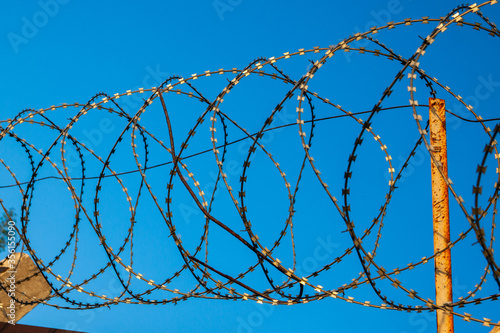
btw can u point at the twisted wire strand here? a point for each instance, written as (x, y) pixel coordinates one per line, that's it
(267, 279)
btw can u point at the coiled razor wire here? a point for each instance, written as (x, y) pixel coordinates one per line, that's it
(284, 283)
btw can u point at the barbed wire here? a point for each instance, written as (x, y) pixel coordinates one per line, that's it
(283, 284)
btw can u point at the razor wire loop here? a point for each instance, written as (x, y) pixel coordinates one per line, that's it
(206, 275)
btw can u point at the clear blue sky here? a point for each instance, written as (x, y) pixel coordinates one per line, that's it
(66, 51)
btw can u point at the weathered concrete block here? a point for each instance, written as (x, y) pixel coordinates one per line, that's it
(21, 279)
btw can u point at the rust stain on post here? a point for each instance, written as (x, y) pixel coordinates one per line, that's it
(440, 213)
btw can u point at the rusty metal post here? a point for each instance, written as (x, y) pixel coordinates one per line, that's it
(440, 213)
